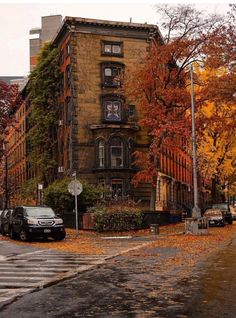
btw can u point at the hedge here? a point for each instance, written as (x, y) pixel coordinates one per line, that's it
(117, 220)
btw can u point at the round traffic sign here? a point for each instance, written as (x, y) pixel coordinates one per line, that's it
(75, 187)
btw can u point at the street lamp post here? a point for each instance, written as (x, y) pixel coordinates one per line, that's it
(196, 212)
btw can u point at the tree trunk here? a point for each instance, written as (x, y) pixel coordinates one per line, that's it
(213, 189)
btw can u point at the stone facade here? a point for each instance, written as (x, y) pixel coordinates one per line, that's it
(86, 140)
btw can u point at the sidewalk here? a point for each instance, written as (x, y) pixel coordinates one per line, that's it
(91, 242)
(107, 244)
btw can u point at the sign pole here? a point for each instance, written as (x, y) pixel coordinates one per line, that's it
(76, 209)
(75, 188)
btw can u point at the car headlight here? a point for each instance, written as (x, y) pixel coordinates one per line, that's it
(58, 221)
(32, 221)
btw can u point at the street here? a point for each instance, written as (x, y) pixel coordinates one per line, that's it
(24, 268)
(216, 289)
(146, 282)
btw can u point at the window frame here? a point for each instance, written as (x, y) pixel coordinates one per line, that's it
(115, 157)
(117, 69)
(101, 159)
(112, 98)
(112, 43)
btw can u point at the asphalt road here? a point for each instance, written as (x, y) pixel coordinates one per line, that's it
(216, 290)
(138, 285)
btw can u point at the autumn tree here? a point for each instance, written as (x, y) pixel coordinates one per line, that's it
(162, 85)
(217, 144)
(9, 99)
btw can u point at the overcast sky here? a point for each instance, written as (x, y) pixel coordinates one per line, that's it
(16, 19)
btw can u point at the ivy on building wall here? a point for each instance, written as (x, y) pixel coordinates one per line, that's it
(44, 86)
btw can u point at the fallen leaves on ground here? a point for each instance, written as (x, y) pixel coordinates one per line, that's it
(190, 247)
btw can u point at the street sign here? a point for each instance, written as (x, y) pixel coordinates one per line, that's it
(75, 187)
(40, 186)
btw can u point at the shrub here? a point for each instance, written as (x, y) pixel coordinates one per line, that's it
(57, 196)
(117, 218)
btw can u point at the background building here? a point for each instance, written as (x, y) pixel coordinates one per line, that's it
(49, 27)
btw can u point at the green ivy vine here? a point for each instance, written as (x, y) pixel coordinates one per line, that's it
(43, 89)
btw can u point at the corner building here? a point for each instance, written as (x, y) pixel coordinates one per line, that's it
(98, 122)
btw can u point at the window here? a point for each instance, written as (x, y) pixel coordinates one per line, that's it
(101, 152)
(112, 74)
(116, 152)
(68, 49)
(67, 75)
(68, 110)
(112, 110)
(112, 48)
(117, 188)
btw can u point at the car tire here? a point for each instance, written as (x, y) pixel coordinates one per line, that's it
(12, 234)
(230, 221)
(23, 236)
(59, 237)
(3, 232)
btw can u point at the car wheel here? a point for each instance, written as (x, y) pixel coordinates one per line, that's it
(3, 232)
(230, 221)
(59, 237)
(13, 235)
(23, 236)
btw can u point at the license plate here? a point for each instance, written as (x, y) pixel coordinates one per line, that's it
(212, 222)
(47, 231)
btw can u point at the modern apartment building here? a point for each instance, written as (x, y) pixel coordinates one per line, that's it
(98, 123)
(49, 27)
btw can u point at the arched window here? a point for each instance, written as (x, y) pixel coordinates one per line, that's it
(101, 153)
(117, 152)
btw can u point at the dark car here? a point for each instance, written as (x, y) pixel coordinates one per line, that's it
(225, 209)
(214, 217)
(233, 212)
(36, 221)
(5, 221)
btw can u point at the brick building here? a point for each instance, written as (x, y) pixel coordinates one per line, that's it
(98, 120)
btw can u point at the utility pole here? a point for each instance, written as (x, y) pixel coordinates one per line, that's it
(76, 207)
(196, 212)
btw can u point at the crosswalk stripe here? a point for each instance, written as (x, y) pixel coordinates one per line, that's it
(22, 273)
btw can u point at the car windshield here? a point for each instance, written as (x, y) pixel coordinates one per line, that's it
(39, 212)
(220, 206)
(213, 213)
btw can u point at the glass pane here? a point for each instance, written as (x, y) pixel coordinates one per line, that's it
(107, 48)
(116, 151)
(113, 110)
(116, 49)
(101, 153)
(108, 72)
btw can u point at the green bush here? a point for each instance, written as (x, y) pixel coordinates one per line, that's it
(117, 219)
(56, 195)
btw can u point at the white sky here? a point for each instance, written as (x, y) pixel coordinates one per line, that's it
(17, 18)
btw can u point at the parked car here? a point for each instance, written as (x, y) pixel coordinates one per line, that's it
(225, 209)
(5, 221)
(214, 217)
(36, 221)
(1, 212)
(233, 212)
